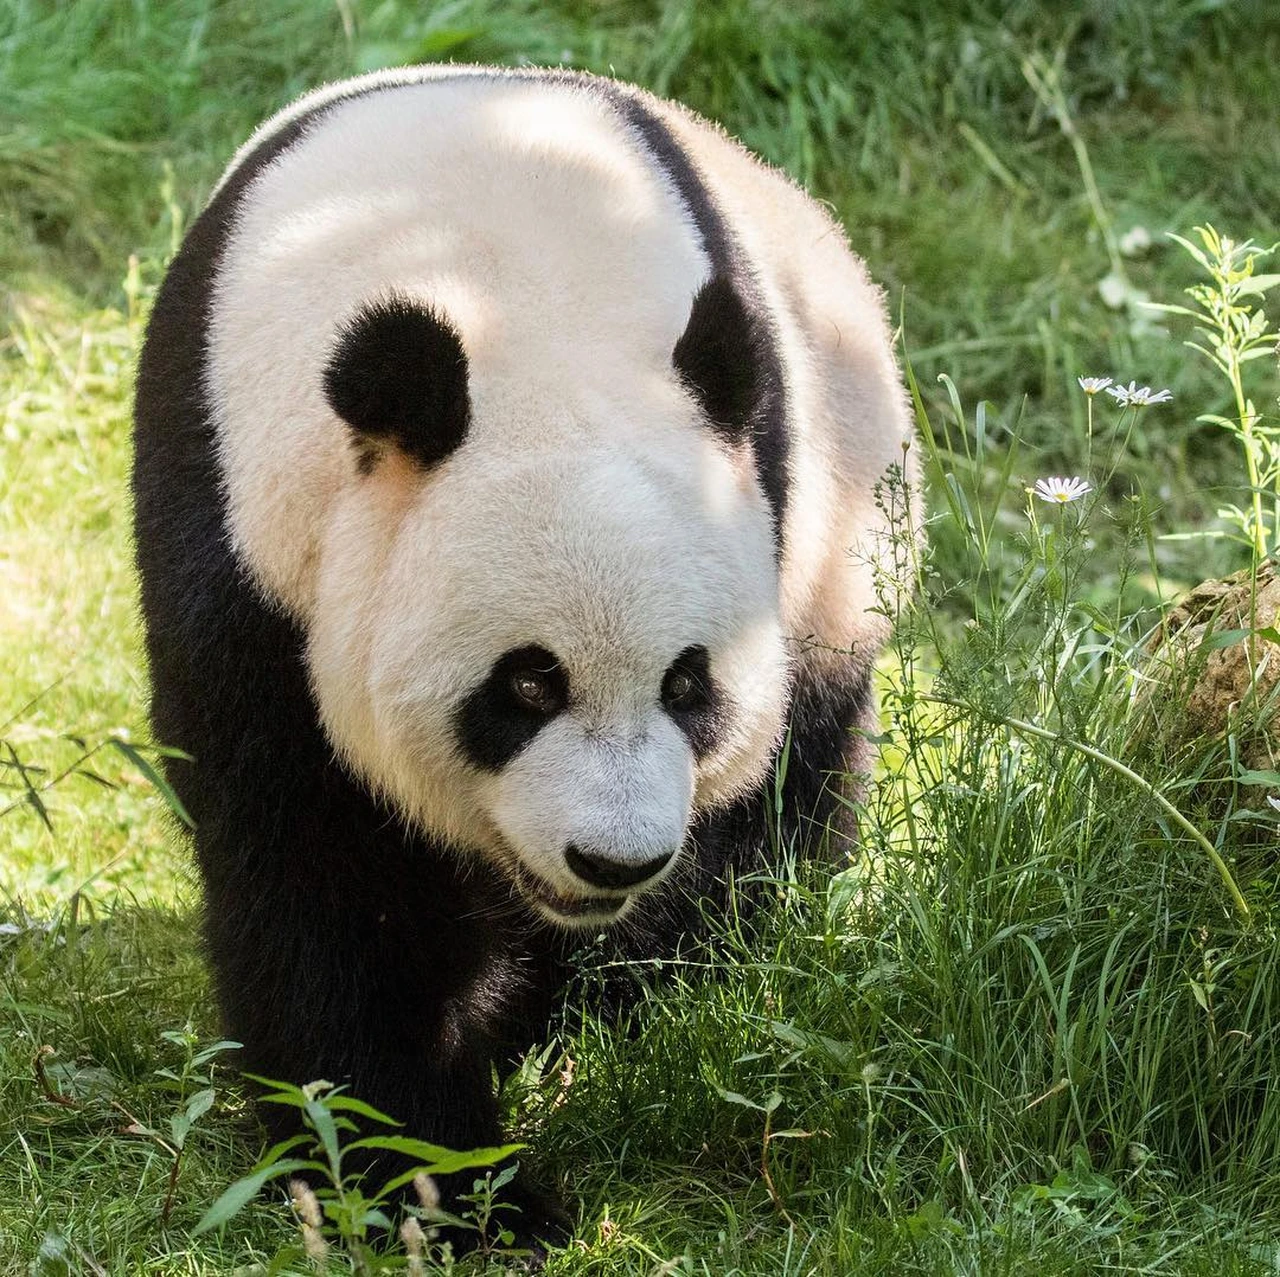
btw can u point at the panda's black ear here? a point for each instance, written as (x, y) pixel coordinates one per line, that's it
(398, 375)
(720, 357)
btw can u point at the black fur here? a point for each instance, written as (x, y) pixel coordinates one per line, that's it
(719, 358)
(398, 374)
(701, 718)
(344, 945)
(492, 724)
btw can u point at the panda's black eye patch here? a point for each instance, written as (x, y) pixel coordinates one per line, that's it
(691, 697)
(525, 689)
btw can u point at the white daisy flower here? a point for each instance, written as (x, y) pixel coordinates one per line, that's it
(1091, 385)
(1060, 491)
(1138, 396)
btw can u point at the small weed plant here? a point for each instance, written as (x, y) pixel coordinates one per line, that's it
(346, 1221)
(1232, 331)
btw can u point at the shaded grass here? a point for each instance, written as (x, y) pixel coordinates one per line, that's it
(906, 1034)
(93, 1170)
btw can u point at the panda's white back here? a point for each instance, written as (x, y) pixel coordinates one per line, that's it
(524, 205)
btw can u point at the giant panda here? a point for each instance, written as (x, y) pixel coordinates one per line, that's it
(509, 485)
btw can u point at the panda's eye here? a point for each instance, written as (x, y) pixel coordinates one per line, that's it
(697, 705)
(523, 691)
(538, 690)
(686, 685)
(677, 689)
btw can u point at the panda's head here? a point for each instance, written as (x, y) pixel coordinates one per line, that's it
(543, 622)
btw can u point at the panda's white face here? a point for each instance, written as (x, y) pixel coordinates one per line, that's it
(555, 660)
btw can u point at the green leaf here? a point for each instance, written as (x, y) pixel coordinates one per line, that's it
(30, 793)
(404, 1144)
(325, 1127)
(1223, 638)
(421, 1149)
(451, 1163)
(162, 785)
(243, 1191)
(1196, 253)
(53, 1259)
(349, 1104)
(199, 1104)
(1268, 778)
(1168, 309)
(1257, 285)
(277, 1151)
(736, 1097)
(203, 1057)
(284, 1093)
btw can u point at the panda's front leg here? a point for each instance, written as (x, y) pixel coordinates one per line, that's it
(351, 952)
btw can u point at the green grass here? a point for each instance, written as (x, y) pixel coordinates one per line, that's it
(1026, 1031)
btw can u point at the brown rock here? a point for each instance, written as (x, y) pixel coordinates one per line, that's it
(1207, 682)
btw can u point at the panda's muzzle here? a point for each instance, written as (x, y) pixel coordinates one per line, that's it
(613, 875)
(567, 909)
(622, 880)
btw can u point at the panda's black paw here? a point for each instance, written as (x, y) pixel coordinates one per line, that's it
(522, 1225)
(537, 1221)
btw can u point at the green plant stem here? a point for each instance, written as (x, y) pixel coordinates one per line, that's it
(1114, 764)
(1246, 419)
(1088, 443)
(1045, 79)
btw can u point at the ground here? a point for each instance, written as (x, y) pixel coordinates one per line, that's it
(1029, 1025)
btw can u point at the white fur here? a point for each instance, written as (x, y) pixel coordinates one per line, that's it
(588, 510)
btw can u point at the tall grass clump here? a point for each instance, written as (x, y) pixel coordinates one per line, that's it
(1034, 1014)
(1099, 931)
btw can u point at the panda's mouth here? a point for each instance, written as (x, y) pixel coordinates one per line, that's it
(568, 910)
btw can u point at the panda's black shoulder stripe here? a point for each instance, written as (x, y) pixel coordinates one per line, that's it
(768, 423)
(717, 241)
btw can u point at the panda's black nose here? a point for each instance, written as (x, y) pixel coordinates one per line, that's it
(600, 871)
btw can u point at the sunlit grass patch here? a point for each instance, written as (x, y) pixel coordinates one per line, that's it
(68, 635)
